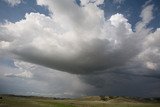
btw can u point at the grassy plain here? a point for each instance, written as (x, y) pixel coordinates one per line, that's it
(13, 101)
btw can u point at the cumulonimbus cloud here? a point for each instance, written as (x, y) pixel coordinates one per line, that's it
(78, 39)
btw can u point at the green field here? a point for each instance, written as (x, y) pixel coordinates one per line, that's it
(13, 101)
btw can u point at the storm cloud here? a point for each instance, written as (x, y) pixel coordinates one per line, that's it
(78, 39)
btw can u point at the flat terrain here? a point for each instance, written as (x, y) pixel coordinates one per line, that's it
(17, 101)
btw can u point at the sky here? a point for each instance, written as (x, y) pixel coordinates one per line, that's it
(74, 48)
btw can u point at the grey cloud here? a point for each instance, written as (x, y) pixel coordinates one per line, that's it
(122, 84)
(112, 58)
(4, 35)
(45, 82)
(93, 57)
(93, 46)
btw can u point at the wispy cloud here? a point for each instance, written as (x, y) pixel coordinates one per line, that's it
(25, 74)
(13, 2)
(118, 1)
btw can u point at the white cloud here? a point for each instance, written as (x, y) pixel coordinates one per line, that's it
(24, 65)
(13, 2)
(97, 2)
(151, 50)
(4, 44)
(118, 1)
(77, 40)
(25, 74)
(152, 66)
(24, 69)
(118, 20)
(147, 16)
(80, 40)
